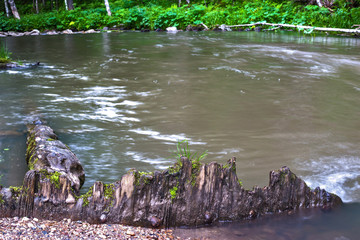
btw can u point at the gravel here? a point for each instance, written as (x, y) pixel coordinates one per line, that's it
(33, 228)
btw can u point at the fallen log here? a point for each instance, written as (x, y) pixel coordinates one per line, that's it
(186, 194)
(299, 27)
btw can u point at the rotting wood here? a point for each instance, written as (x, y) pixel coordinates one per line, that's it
(186, 194)
(345, 30)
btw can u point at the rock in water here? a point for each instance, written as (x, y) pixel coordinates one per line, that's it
(171, 29)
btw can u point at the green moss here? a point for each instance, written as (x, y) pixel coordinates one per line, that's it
(53, 177)
(232, 166)
(109, 191)
(5, 60)
(195, 171)
(31, 164)
(50, 139)
(138, 176)
(31, 152)
(225, 166)
(85, 197)
(1, 199)
(16, 191)
(293, 176)
(173, 192)
(176, 168)
(240, 182)
(146, 178)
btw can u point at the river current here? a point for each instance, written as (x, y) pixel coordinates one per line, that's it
(123, 100)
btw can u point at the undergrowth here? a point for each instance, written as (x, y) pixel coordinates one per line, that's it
(161, 14)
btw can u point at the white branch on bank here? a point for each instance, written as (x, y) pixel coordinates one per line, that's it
(345, 30)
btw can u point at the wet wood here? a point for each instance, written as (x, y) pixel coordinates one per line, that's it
(186, 194)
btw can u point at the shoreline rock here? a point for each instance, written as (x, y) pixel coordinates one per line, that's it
(11, 65)
(186, 194)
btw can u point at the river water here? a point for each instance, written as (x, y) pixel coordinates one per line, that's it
(123, 100)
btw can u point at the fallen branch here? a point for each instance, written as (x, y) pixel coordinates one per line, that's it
(206, 28)
(272, 29)
(295, 26)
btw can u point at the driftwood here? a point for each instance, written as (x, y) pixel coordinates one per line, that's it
(189, 193)
(344, 30)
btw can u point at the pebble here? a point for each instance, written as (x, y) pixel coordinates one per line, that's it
(33, 228)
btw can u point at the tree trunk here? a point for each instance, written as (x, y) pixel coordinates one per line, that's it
(37, 6)
(179, 3)
(319, 3)
(7, 8)
(66, 5)
(70, 5)
(14, 9)
(107, 7)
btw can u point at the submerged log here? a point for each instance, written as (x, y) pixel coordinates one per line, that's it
(186, 194)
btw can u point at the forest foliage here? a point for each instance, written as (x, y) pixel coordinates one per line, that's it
(141, 14)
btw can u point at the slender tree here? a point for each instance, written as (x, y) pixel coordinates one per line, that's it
(107, 7)
(14, 9)
(70, 4)
(37, 6)
(7, 8)
(66, 4)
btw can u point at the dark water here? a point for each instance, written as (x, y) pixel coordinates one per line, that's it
(309, 224)
(123, 100)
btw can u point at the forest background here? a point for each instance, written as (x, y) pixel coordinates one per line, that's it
(77, 15)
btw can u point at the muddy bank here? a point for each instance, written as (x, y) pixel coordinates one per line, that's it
(187, 194)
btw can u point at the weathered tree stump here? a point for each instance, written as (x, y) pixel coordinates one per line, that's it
(186, 194)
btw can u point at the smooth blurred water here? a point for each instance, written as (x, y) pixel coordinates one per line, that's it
(123, 100)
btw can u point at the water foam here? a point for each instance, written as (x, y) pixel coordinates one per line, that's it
(339, 175)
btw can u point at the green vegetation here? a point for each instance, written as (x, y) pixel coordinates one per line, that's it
(4, 57)
(109, 190)
(91, 14)
(53, 177)
(32, 162)
(138, 176)
(183, 150)
(173, 192)
(85, 196)
(16, 191)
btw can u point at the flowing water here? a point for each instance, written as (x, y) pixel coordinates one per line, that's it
(123, 100)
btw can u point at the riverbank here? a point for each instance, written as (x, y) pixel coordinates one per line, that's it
(33, 228)
(131, 16)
